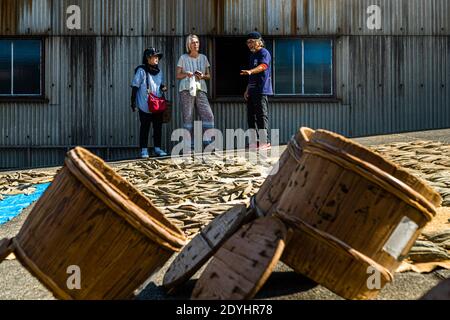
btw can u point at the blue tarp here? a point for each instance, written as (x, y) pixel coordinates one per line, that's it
(11, 206)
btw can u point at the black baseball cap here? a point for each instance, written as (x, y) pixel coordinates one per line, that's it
(254, 35)
(150, 52)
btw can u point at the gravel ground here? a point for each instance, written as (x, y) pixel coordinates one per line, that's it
(18, 284)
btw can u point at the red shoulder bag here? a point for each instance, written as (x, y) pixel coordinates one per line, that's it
(155, 104)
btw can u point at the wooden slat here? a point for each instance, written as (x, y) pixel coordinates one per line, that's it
(197, 252)
(243, 264)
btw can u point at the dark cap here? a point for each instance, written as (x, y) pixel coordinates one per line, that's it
(254, 35)
(150, 52)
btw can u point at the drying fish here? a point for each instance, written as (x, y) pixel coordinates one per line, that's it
(438, 237)
(427, 251)
(192, 191)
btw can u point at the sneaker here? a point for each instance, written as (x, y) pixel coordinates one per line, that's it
(265, 146)
(160, 153)
(144, 153)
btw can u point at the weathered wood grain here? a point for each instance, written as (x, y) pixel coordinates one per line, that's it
(197, 252)
(243, 264)
(92, 219)
(352, 194)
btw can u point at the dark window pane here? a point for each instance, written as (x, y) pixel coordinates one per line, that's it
(318, 66)
(5, 67)
(27, 67)
(288, 67)
(268, 44)
(232, 56)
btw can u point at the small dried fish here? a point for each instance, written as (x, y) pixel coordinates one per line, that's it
(427, 251)
(427, 160)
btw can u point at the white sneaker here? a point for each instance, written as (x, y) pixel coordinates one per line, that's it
(144, 153)
(160, 153)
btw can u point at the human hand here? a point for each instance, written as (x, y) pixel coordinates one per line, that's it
(198, 75)
(164, 88)
(246, 72)
(246, 96)
(189, 74)
(133, 107)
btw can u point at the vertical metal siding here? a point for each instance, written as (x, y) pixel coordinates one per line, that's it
(281, 17)
(90, 17)
(322, 16)
(400, 83)
(200, 16)
(286, 117)
(242, 16)
(179, 17)
(34, 17)
(379, 80)
(379, 74)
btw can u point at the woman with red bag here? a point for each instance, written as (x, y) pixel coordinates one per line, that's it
(148, 82)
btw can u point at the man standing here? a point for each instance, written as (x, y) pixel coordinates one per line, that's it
(259, 87)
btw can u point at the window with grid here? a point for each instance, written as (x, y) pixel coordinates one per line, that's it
(20, 68)
(300, 67)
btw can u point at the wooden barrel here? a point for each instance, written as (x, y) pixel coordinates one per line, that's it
(266, 200)
(197, 252)
(343, 200)
(92, 235)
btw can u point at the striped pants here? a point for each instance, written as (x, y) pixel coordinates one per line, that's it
(204, 111)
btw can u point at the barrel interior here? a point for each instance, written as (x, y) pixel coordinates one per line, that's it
(106, 173)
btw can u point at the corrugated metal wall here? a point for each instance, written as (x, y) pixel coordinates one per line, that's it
(391, 80)
(206, 17)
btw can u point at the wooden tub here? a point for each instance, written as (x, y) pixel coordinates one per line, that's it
(92, 235)
(355, 215)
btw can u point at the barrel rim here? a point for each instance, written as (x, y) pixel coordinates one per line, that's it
(430, 195)
(426, 199)
(377, 176)
(95, 181)
(327, 239)
(41, 276)
(324, 242)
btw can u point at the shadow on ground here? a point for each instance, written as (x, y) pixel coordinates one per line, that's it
(278, 285)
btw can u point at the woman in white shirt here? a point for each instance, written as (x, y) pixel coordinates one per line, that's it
(193, 70)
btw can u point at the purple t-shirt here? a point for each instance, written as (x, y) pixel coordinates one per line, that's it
(261, 83)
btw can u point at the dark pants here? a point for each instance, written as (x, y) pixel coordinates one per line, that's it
(146, 120)
(258, 114)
